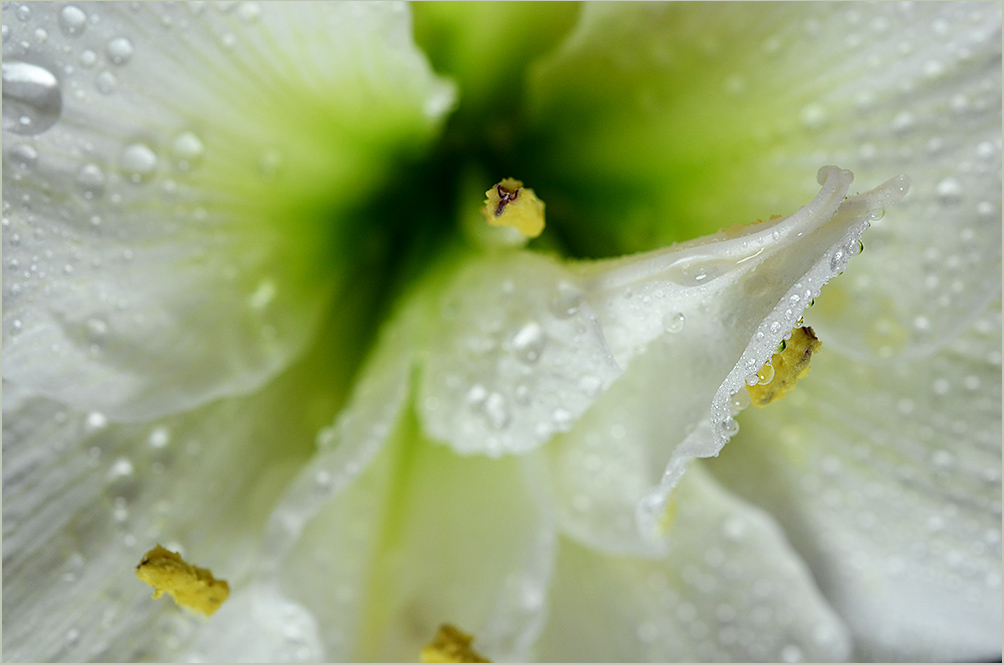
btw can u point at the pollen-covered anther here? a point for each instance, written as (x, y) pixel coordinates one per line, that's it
(191, 587)
(509, 203)
(451, 645)
(788, 366)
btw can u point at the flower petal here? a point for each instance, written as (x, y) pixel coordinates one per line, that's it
(384, 537)
(887, 477)
(729, 589)
(84, 497)
(523, 344)
(174, 180)
(675, 117)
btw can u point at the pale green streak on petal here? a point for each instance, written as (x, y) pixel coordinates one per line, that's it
(180, 233)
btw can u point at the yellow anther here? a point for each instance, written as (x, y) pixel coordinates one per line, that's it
(790, 365)
(451, 645)
(509, 203)
(193, 588)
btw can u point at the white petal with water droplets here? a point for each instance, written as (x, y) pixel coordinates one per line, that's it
(708, 110)
(524, 345)
(173, 179)
(729, 589)
(381, 538)
(84, 497)
(887, 478)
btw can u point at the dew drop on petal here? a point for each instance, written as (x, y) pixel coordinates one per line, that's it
(72, 20)
(106, 82)
(529, 342)
(91, 181)
(949, 191)
(188, 150)
(673, 323)
(496, 411)
(139, 162)
(32, 98)
(119, 50)
(24, 156)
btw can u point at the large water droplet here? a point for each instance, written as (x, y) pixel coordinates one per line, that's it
(72, 20)
(32, 98)
(139, 162)
(119, 50)
(528, 343)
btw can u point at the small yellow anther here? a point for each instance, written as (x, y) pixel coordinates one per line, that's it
(790, 365)
(451, 645)
(509, 203)
(193, 588)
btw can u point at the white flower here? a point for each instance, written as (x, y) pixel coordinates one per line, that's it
(248, 313)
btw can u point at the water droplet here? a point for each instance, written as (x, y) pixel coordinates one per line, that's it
(949, 191)
(23, 156)
(903, 122)
(673, 323)
(88, 58)
(139, 162)
(740, 400)
(106, 82)
(566, 302)
(730, 426)
(96, 420)
(119, 50)
(476, 396)
(32, 98)
(72, 636)
(159, 438)
(72, 20)
(24, 12)
(528, 343)
(838, 262)
(249, 12)
(188, 150)
(562, 419)
(121, 468)
(91, 181)
(497, 411)
(590, 385)
(813, 116)
(791, 654)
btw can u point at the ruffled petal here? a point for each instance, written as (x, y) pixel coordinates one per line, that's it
(690, 325)
(729, 589)
(522, 344)
(175, 181)
(673, 118)
(887, 477)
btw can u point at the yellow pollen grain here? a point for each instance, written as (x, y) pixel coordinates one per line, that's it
(191, 587)
(509, 203)
(451, 645)
(790, 365)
